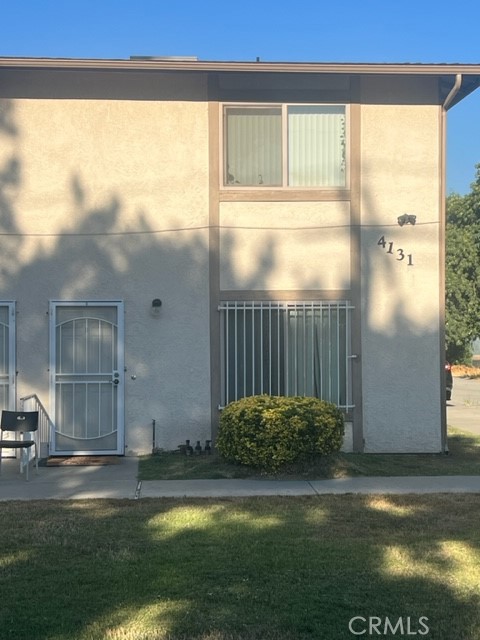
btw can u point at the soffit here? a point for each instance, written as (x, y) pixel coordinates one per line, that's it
(445, 72)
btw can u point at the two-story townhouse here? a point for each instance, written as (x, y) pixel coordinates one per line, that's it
(176, 234)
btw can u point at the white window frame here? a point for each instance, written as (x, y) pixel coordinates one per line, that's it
(284, 115)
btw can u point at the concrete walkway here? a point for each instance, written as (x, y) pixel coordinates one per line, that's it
(120, 481)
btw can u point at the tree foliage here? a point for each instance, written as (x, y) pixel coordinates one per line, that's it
(463, 272)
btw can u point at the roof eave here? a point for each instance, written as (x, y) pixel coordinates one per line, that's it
(159, 64)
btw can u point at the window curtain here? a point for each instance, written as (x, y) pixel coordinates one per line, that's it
(316, 146)
(254, 146)
(317, 352)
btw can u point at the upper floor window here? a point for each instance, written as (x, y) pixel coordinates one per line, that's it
(285, 146)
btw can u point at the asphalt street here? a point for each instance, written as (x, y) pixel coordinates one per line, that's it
(463, 410)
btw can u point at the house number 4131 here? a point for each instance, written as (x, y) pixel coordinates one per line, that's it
(399, 253)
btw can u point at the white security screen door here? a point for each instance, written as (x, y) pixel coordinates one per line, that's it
(7, 361)
(87, 372)
(7, 355)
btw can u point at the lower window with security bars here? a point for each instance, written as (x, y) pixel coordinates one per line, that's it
(286, 349)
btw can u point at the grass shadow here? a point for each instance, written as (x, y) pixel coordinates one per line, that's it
(244, 569)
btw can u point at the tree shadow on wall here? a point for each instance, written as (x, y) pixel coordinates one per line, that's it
(98, 247)
(211, 575)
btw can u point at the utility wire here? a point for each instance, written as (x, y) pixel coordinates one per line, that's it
(202, 228)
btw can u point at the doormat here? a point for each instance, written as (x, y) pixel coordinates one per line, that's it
(82, 461)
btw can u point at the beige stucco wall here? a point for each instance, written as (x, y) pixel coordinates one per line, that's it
(401, 173)
(109, 200)
(284, 245)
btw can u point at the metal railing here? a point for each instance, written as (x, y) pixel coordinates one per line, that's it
(45, 424)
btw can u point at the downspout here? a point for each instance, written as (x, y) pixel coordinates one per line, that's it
(448, 101)
(453, 91)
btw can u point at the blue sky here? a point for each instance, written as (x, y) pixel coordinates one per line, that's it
(305, 30)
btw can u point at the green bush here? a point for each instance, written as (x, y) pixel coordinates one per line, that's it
(269, 432)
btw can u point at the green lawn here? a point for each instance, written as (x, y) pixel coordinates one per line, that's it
(463, 459)
(249, 569)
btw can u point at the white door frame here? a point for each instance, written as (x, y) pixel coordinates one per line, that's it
(10, 378)
(118, 379)
(12, 342)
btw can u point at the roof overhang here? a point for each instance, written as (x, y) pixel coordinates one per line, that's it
(445, 72)
(191, 64)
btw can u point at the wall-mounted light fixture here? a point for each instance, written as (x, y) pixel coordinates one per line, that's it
(407, 218)
(156, 304)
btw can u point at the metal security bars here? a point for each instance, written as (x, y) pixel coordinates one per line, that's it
(286, 349)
